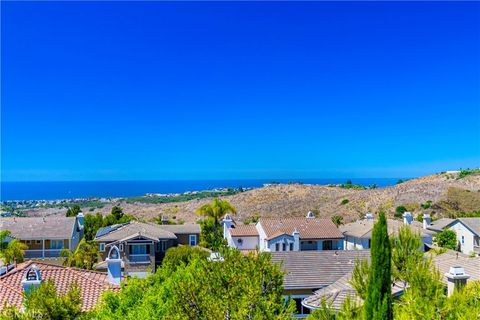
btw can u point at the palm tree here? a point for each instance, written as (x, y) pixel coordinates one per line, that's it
(216, 210)
(85, 255)
(338, 220)
(9, 251)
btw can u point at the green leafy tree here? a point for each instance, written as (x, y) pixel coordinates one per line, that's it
(446, 239)
(44, 302)
(85, 256)
(337, 220)
(378, 304)
(73, 211)
(324, 312)
(215, 211)
(117, 212)
(208, 238)
(406, 254)
(359, 280)
(399, 211)
(13, 250)
(181, 256)
(97, 221)
(239, 287)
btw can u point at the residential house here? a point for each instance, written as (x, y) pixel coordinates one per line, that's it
(358, 234)
(284, 234)
(468, 234)
(31, 274)
(142, 246)
(45, 236)
(309, 271)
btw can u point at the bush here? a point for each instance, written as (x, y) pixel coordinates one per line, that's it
(399, 211)
(344, 202)
(446, 239)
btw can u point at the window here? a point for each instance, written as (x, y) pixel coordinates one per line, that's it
(120, 247)
(240, 241)
(277, 246)
(192, 239)
(27, 241)
(463, 240)
(284, 246)
(38, 241)
(139, 249)
(162, 246)
(291, 246)
(56, 244)
(300, 308)
(102, 247)
(327, 245)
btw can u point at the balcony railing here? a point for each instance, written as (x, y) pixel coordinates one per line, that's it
(47, 253)
(139, 258)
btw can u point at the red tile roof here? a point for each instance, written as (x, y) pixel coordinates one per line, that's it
(92, 284)
(244, 230)
(309, 228)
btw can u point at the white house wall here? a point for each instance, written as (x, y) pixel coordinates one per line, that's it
(461, 230)
(247, 243)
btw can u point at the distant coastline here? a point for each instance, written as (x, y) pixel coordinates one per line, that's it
(58, 190)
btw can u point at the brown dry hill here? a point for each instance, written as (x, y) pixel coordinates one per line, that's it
(447, 193)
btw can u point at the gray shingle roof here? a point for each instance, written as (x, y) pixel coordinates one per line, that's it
(472, 223)
(451, 258)
(189, 228)
(363, 228)
(134, 228)
(52, 227)
(316, 269)
(440, 224)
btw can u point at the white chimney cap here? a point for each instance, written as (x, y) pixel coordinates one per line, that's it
(457, 273)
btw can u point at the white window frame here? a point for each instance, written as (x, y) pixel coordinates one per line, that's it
(163, 245)
(102, 247)
(38, 241)
(120, 247)
(190, 237)
(27, 241)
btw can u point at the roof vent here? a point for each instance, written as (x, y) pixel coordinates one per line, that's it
(310, 214)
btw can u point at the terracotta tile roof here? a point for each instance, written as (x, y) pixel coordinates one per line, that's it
(54, 227)
(309, 228)
(316, 269)
(244, 230)
(92, 284)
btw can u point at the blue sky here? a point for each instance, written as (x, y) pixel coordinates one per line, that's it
(155, 90)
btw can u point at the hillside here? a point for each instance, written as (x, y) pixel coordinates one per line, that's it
(447, 193)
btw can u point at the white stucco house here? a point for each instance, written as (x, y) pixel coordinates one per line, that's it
(468, 234)
(284, 234)
(358, 234)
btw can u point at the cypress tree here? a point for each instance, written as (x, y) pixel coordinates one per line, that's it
(378, 305)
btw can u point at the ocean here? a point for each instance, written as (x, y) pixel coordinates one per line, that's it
(55, 190)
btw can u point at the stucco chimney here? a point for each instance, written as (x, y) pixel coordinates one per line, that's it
(427, 220)
(114, 266)
(407, 218)
(31, 279)
(228, 223)
(456, 278)
(296, 240)
(310, 214)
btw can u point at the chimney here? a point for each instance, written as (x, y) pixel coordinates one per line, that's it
(407, 218)
(427, 220)
(310, 214)
(31, 279)
(369, 216)
(228, 223)
(114, 266)
(456, 279)
(81, 220)
(296, 240)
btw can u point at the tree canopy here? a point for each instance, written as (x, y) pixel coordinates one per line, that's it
(446, 239)
(85, 255)
(239, 287)
(214, 211)
(11, 250)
